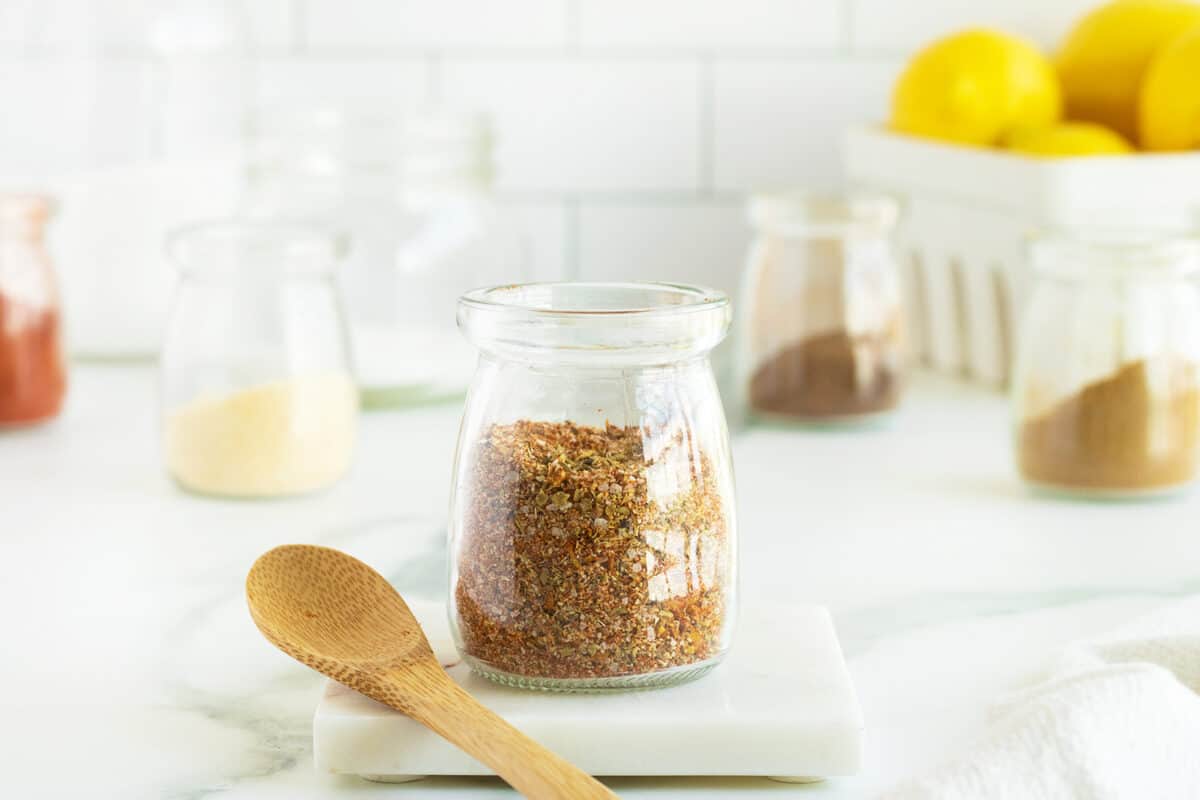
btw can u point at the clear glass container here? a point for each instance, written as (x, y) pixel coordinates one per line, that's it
(592, 528)
(1106, 396)
(131, 116)
(258, 396)
(413, 191)
(820, 332)
(33, 375)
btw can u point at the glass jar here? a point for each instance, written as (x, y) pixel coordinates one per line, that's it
(820, 332)
(413, 191)
(258, 395)
(1106, 395)
(592, 529)
(33, 376)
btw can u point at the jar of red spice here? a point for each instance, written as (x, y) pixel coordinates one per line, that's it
(32, 371)
(592, 532)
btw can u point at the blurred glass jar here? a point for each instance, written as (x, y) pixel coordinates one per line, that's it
(820, 334)
(1106, 395)
(258, 395)
(131, 116)
(414, 194)
(33, 375)
(592, 526)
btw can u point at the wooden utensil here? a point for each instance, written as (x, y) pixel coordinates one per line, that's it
(337, 615)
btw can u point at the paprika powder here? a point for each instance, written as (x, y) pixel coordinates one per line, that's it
(32, 371)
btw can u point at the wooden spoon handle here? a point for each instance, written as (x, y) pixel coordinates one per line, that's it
(527, 766)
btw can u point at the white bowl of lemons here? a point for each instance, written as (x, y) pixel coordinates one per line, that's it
(990, 140)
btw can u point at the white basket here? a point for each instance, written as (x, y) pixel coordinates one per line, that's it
(968, 214)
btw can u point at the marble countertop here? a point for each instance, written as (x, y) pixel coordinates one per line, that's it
(132, 670)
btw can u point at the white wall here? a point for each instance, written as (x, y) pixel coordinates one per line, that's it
(629, 129)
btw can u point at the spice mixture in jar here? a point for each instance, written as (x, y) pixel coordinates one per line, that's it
(1106, 391)
(821, 339)
(1118, 433)
(591, 552)
(33, 373)
(829, 375)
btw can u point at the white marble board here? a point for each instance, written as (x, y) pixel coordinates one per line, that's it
(781, 705)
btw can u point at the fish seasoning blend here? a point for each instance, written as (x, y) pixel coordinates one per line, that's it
(589, 553)
(1108, 382)
(821, 339)
(602, 580)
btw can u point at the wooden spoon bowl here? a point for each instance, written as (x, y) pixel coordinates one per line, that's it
(334, 613)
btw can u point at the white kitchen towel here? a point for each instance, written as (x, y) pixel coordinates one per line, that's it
(1119, 718)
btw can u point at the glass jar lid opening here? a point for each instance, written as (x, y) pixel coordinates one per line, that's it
(225, 246)
(1117, 253)
(596, 320)
(803, 214)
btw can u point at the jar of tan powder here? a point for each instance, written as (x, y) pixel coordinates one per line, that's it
(820, 333)
(258, 398)
(1107, 383)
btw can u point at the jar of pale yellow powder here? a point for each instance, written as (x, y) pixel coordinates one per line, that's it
(258, 395)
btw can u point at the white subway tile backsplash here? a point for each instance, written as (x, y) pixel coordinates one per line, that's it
(324, 81)
(779, 123)
(436, 23)
(63, 114)
(694, 242)
(271, 23)
(904, 26)
(626, 130)
(712, 23)
(81, 24)
(589, 125)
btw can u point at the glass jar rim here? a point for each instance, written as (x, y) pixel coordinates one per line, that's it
(26, 207)
(222, 245)
(1112, 252)
(597, 321)
(804, 213)
(536, 298)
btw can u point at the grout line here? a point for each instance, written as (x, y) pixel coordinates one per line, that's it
(515, 55)
(846, 23)
(589, 52)
(299, 40)
(619, 198)
(574, 29)
(571, 265)
(706, 132)
(434, 83)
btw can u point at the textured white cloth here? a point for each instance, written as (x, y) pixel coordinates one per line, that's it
(1119, 717)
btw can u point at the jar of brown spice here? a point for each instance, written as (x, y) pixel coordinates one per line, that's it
(1107, 383)
(820, 331)
(592, 533)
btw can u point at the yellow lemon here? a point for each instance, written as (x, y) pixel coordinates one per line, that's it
(1068, 139)
(1103, 60)
(1170, 101)
(973, 87)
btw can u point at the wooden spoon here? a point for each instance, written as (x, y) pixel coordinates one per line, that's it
(337, 615)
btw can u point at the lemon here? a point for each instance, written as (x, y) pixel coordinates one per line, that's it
(1068, 139)
(1170, 100)
(973, 87)
(1103, 60)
